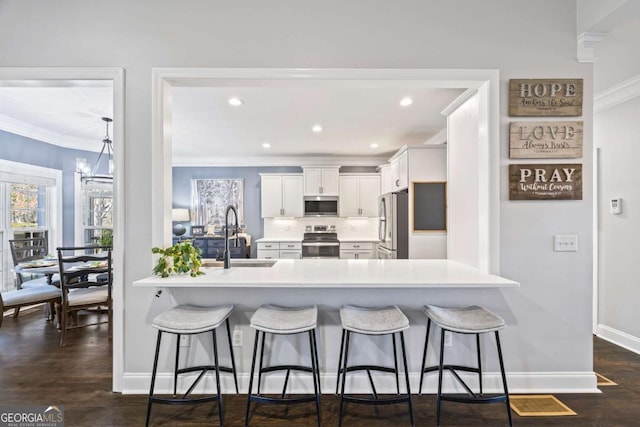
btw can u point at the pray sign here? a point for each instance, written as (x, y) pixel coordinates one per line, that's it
(545, 182)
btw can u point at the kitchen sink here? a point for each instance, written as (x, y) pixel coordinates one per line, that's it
(239, 263)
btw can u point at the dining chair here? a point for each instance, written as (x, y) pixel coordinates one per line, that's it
(82, 285)
(28, 296)
(26, 250)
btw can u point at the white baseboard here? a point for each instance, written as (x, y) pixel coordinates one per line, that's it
(618, 338)
(518, 382)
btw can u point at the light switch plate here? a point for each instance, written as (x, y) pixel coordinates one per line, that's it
(565, 243)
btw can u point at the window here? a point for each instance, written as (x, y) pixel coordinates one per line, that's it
(97, 213)
(28, 206)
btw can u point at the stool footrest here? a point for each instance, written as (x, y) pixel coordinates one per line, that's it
(203, 368)
(179, 401)
(286, 368)
(376, 401)
(369, 368)
(478, 399)
(451, 367)
(276, 400)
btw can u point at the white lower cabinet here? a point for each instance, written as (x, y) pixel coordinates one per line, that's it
(280, 250)
(356, 250)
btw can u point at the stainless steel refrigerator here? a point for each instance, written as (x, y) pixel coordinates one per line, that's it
(393, 226)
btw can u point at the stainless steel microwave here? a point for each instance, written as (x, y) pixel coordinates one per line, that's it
(321, 206)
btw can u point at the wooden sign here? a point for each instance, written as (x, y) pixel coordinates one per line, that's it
(545, 182)
(545, 97)
(545, 140)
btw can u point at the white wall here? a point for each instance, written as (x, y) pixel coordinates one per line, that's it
(549, 317)
(616, 130)
(464, 145)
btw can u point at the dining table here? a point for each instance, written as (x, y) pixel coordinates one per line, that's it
(45, 266)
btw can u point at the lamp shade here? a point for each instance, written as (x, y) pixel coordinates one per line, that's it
(180, 215)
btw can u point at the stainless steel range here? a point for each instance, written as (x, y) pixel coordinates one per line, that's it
(320, 242)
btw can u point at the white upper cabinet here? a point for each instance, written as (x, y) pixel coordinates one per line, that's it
(359, 195)
(320, 181)
(400, 171)
(281, 195)
(386, 182)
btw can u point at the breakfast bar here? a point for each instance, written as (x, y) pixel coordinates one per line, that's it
(330, 284)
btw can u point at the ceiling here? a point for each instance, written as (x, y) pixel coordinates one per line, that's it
(205, 129)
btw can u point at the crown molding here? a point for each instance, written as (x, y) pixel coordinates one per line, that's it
(439, 138)
(587, 43)
(464, 96)
(266, 161)
(617, 94)
(25, 129)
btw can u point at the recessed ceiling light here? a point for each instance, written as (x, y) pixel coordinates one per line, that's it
(406, 101)
(266, 145)
(374, 145)
(235, 101)
(317, 128)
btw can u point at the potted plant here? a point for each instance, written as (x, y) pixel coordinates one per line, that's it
(183, 257)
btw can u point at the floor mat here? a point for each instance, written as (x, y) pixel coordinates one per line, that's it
(539, 405)
(604, 381)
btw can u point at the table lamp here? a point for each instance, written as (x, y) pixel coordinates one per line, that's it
(179, 215)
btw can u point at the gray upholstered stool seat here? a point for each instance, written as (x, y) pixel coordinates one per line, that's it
(278, 320)
(470, 320)
(284, 320)
(373, 320)
(191, 319)
(389, 320)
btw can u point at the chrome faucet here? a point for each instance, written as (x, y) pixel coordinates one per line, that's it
(227, 254)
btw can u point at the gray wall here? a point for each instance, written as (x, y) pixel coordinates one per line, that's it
(17, 148)
(549, 317)
(182, 177)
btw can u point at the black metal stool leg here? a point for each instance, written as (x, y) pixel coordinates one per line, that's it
(395, 362)
(504, 378)
(153, 376)
(175, 367)
(264, 338)
(424, 355)
(233, 359)
(344, 377)
(340, 360)
(315, 352)
(479, 361)
(441, 368)
(406, 375)
(314, 367)
(218, 389)
(253, 366)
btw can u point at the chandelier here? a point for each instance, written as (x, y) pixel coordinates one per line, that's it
(88, 174)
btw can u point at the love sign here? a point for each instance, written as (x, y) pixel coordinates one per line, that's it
(545, 140)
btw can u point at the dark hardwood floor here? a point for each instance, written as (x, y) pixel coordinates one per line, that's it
(34, 370)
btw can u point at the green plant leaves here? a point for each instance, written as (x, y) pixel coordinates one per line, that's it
(180, 258)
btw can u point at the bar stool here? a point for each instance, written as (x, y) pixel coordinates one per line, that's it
(273, 319)
(372, 321)
(464, 320)
(191, 320)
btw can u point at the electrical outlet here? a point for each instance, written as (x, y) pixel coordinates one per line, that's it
(237, 338)
(565, 243)
(185, 340)
(448, 339)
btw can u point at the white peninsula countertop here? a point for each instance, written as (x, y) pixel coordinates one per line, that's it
(337, 273)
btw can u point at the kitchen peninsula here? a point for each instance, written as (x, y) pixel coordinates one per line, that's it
(331, 283)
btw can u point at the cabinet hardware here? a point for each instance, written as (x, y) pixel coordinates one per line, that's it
(397, 183)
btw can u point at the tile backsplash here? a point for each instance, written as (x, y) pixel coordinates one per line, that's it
(346, 227)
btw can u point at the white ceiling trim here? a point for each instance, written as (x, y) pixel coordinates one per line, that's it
(19, 127)
(439, 138)
(279, 161)
(617, 94)
(459, 101)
